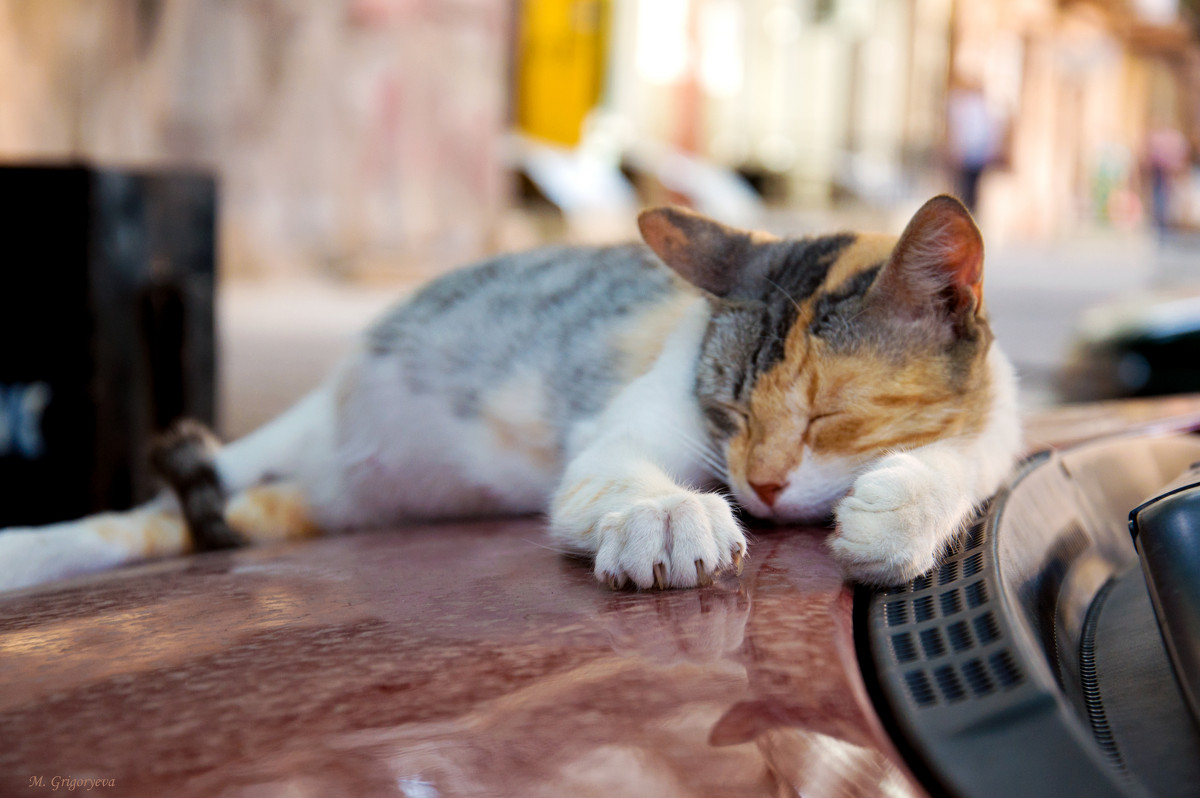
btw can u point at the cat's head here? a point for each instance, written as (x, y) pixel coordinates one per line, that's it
(826, 353)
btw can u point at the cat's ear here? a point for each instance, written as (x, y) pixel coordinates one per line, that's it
(706, 253)
(937, 265)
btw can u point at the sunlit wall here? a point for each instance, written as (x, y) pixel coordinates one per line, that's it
(356, 136)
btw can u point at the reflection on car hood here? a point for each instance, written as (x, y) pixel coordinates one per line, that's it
(441, 660)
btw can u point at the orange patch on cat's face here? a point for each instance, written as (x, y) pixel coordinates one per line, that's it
(852, 406)
(865, 251)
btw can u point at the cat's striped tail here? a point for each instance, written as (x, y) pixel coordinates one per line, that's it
(199, 516)
(183, 458)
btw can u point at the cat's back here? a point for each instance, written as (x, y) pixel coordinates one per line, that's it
(584, 319)
(543, 289)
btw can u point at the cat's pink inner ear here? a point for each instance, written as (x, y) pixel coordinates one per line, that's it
(663, 229)
(704, 252)
(940, 249)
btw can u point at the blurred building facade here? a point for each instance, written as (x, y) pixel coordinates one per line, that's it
(1077, 88)
(835, 96)
(367, 137)
(348, 135)
(860, 99)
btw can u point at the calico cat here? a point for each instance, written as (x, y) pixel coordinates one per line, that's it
(850, 374)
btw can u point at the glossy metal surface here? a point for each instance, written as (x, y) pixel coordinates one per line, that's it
(1073, 591)
(462, 659)
(1071, 424)
(443, 660)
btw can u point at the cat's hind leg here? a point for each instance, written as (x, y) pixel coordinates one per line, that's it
(263, 473)
(248, 492)
(262, 512)
(157, 530)
(184, 459)
(35, 555)
(272, 513)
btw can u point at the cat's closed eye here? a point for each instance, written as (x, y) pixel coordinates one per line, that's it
(736, 412)
(828, 425)
(728, 416)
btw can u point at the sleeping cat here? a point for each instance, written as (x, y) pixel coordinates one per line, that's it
(849, 374)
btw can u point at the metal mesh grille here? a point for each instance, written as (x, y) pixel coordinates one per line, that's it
(944, 630)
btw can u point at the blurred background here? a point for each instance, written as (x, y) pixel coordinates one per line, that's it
(360, 147)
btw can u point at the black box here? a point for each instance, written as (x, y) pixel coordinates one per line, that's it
(106, 331)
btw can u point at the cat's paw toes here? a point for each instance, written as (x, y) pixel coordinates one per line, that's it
(888, 530)
(875, 553)
(678, 540)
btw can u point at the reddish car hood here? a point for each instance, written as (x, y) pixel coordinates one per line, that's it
(456, 659)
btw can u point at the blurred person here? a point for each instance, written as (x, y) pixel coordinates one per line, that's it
(1166, 157)
(973, 134)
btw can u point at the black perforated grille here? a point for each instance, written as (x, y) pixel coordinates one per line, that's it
(944, 630)
(959, 681)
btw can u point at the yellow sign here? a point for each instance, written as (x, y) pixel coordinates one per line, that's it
(560, 66)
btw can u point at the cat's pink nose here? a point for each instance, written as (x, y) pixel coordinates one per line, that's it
(768, 491)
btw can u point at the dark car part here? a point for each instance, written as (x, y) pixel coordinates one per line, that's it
(106, 314)
(1030, 663)
(1166, 530)
(1144, 346)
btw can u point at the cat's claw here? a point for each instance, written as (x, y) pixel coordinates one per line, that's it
(703, 577)
(678, 540)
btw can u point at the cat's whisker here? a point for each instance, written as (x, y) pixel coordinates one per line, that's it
(705, 452)
(722, 473)
(725, 493)
(790, 298)
(706, 460)
(707, 457)
(700, 448)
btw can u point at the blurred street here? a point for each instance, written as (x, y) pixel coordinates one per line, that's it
(1036, 293)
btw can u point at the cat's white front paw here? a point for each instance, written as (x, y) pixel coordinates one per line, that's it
(895, 521)
(676, 540)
